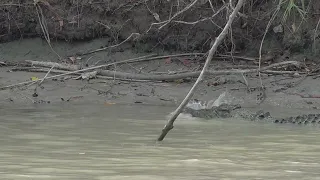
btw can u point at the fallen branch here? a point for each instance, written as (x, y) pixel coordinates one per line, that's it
(236, 57)
(68, 67)
(179, 75)
(44, 70)
(213, 49)
(201, 20)
(305, 96)
(133, 60)
(147, 77)
(40, 70)
(281, 72)
(139, 59)
(46, 75)
(166, 22)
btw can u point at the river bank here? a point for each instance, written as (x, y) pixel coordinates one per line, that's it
(282, 91)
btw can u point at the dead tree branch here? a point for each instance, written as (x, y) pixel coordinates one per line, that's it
(68, 67)
(213, 49)
(170, 77)
(140, 77)
(164, 23)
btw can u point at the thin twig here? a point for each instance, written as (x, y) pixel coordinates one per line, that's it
(264, 35)
(108, 27)
(236, 57)
(315, 36)
(245, 80)
(178, 13)
(134, 35)
(211, 5)
(25, 4)
(46, 75)
(201, 20)
(44, 27)
(164, 23)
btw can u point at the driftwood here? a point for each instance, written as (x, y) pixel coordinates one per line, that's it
(41, 70)
(181, 75)
(105, 74)
(68, 67)
(54, 71)
(213, 49)
(133, 60)
(139, 59)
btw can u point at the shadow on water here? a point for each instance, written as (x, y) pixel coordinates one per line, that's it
(118, 142)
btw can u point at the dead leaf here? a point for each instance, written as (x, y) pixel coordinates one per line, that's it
(33, 78)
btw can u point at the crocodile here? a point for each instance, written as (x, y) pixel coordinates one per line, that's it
(236, 111)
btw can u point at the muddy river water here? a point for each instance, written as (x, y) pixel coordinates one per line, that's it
(118, 142)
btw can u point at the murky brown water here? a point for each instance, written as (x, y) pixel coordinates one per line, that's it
(118, 142)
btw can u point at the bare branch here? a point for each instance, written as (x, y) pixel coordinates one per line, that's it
(213, 49)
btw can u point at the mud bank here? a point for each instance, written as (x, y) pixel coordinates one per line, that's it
(282, 91)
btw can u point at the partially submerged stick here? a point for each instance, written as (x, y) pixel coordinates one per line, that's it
(213, 49)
